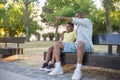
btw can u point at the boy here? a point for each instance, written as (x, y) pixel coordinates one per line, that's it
(68, 36)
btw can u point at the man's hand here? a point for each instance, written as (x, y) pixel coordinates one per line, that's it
(58, 18)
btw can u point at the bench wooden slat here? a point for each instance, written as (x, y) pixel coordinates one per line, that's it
(106, 39)
(12, 39)
(96, 59)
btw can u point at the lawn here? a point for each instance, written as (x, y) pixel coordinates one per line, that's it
(41, 46)
(34, 50)
(37, 46)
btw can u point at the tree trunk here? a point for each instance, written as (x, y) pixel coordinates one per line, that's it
(56, 31)
(118, 47)
(26, 14)
(107, 15)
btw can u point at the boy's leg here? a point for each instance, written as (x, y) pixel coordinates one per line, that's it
(49, 54)
(51, 65)
(53, 59)
(47, 59)
(56, 51)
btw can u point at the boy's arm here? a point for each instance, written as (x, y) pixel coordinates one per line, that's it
(75, 35)
(62, 35)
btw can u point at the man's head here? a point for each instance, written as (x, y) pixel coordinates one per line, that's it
(79, 15)
(69, 27)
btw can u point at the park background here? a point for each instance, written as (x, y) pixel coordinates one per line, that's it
(35, 19)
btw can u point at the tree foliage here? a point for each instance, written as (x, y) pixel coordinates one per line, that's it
(70, 7)
(98, 21)
(12, 18)
(65, 8)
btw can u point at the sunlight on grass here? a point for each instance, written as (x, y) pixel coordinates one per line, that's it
(41, 46)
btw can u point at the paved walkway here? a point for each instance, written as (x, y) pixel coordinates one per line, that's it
(8, 75)
(15, 71)
(11, 71)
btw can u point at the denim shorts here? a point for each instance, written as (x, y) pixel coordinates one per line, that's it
(72, 47)
(69, 47)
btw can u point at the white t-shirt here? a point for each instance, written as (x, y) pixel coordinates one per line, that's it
(84, 31)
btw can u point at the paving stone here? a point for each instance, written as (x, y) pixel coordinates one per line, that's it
(33, 72)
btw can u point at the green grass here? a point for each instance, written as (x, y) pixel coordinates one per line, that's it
(38, 44)
(35, 44)
(32, 47)
(41, 46)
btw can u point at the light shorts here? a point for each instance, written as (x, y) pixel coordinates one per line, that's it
(69, 47)
(72, 47)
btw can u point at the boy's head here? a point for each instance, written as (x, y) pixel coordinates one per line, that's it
(69, 27)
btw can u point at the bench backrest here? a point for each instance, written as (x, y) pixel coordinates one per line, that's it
(17, 40)
(12, 39)
(106, 39)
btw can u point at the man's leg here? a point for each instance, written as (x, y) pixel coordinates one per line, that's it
(56, 51)
(80, 52)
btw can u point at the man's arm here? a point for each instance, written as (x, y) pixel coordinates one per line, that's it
(70, 19)
(59, 18)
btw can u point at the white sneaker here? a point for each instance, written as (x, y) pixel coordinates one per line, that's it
(56, 71)
(42, 69)
(49, 70)
(77, 75)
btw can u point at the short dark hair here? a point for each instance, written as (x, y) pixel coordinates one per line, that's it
(71, 24)
(81, 13)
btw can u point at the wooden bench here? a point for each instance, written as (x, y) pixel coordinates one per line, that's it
(8, 51)
(97, 59)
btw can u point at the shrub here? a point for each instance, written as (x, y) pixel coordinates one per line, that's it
(51, 35)
(45, 35)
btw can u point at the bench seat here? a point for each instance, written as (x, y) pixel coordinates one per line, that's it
(96, 59)
(8, 51)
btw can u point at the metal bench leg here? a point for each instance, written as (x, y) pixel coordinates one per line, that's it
(110, 49)
(21, 50)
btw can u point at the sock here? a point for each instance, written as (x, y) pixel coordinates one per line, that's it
(79, 65)
(58, 64)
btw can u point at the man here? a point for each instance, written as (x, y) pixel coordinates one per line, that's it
(83, 44)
